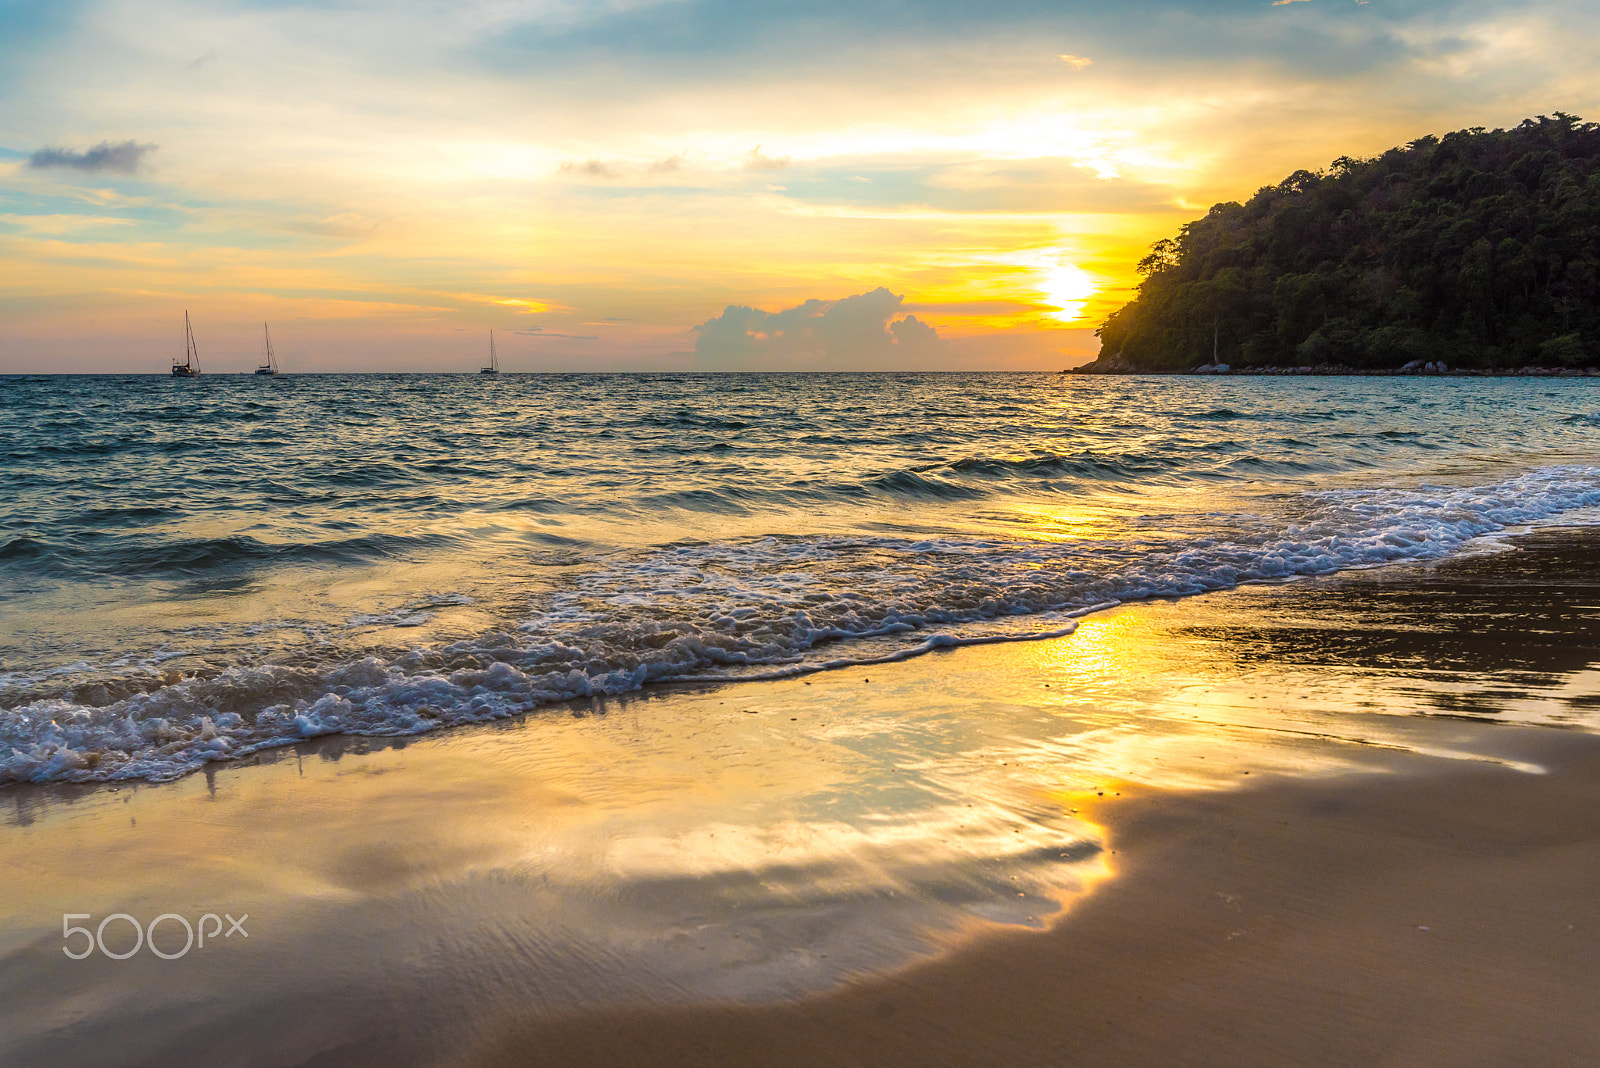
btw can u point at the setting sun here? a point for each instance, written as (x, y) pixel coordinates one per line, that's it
(1068, 288)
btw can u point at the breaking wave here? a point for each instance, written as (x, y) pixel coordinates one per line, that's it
(758, 608)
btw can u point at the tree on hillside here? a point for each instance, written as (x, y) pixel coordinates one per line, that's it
(1480, 248)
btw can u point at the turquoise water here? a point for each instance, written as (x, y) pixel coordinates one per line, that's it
(193, 570)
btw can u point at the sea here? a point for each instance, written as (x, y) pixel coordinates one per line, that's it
(194, 571)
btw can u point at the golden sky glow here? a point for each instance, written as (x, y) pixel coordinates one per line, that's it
(599, 179)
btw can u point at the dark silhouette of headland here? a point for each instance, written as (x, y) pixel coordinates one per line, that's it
(1473, 253)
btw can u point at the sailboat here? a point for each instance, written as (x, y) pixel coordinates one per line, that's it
(190, 367)
(269, 366)
(494, 361)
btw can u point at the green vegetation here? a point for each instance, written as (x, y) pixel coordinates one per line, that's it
(1480, 249)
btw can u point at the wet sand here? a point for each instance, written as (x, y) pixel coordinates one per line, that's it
(1427, 919)
(1353, 820)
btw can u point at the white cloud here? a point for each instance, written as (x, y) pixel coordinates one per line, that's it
(756, 160)
(859, 332)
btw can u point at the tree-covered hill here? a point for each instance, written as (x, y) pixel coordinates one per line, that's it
(1480, 248)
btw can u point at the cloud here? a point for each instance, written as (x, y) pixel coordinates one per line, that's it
(979, 307)
(1080, 62)
(870, 44)
(857, 332)
(61, 224)
(124, 157)
(1046, 184)
(594, 168)
(756, 160)
(540, 332)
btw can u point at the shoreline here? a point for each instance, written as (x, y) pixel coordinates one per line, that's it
(901, 863)
(1438, 912)
(1228, 371)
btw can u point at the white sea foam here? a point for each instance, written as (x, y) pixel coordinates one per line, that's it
(761, 609)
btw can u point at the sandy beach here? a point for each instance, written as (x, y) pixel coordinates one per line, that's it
(1345, 820)
(1418, 919)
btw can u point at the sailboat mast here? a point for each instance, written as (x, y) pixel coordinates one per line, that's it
(191, 353)
(493, 367)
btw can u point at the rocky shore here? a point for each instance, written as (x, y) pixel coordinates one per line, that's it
(1117, 366)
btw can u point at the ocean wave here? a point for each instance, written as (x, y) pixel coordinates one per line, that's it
(763, 608)
(363, 475)
(1056, 465)
(924, 486)
(23, 548)
(684, 419)
(130, 515)
(144, 555)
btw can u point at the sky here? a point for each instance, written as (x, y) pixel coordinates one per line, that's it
(682, 184)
